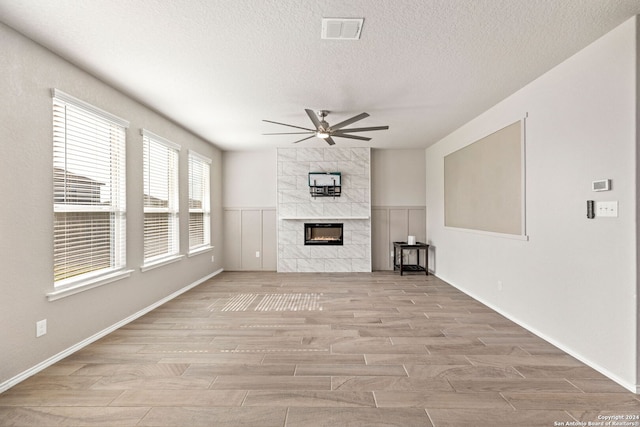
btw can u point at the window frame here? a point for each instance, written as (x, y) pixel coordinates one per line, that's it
(172, 150)
(76, 125)
(205, 193)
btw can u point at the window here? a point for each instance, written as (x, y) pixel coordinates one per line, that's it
(161, 234)
(89, 191)
(199, 205)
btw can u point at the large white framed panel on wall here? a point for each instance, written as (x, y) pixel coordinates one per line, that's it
(484, 183)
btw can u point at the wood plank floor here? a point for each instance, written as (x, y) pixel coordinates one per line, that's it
(268, 349)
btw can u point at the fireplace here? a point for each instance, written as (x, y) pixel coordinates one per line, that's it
(322, 234)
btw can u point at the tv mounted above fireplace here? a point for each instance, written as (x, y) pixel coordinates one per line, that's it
(325, 184)
(323, 234)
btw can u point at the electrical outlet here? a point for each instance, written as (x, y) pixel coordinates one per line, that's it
(257, 254)
(41, 328)
(213, 258)
(499, 285)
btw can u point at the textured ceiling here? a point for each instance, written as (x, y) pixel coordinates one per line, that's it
(218, 67)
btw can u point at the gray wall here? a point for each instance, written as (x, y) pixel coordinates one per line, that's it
(250, 182)
(397, 178)
(250, 239)
(28, 72)
(394, 224)
(398, 195)
(249, 179)
(249, 201)
(574, 281)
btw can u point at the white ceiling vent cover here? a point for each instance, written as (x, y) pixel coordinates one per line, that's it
(342, 28)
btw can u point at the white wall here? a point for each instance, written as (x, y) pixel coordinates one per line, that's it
(574, 281)
(27, 74)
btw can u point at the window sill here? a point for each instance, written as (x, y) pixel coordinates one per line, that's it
(200, 250)
(85, 285)
(160, 262)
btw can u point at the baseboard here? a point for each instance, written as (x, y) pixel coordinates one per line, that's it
(69, 351)
(634, 388)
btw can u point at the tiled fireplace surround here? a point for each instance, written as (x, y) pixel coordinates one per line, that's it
(296, 206)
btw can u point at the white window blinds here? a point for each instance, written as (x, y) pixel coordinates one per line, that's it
(199, 202)
(161, 234)
(89, 190)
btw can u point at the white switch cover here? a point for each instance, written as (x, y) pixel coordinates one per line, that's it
(257, 254)
(609, 209)
(41, 328)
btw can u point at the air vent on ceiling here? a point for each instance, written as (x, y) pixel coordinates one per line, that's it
(341, 28)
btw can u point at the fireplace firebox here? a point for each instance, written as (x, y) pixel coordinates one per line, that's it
(323, 234)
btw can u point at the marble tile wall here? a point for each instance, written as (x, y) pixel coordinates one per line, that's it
(352, 208)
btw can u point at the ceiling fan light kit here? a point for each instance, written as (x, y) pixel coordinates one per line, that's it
(325, 131)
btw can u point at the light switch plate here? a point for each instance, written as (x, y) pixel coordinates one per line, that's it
(606, 209)
(41, 328)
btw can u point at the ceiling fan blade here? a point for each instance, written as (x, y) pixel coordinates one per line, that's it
(303, 139)
(291, 133)
(284, 124)
(361, 129)
(344, 135)
(349, 121)
(330, 141)
(313, 117)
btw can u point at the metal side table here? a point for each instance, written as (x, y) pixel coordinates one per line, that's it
(398, 260)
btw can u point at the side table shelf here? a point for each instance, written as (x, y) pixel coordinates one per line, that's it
(398, 260)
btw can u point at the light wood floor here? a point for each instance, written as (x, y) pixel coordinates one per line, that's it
(268, 349)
